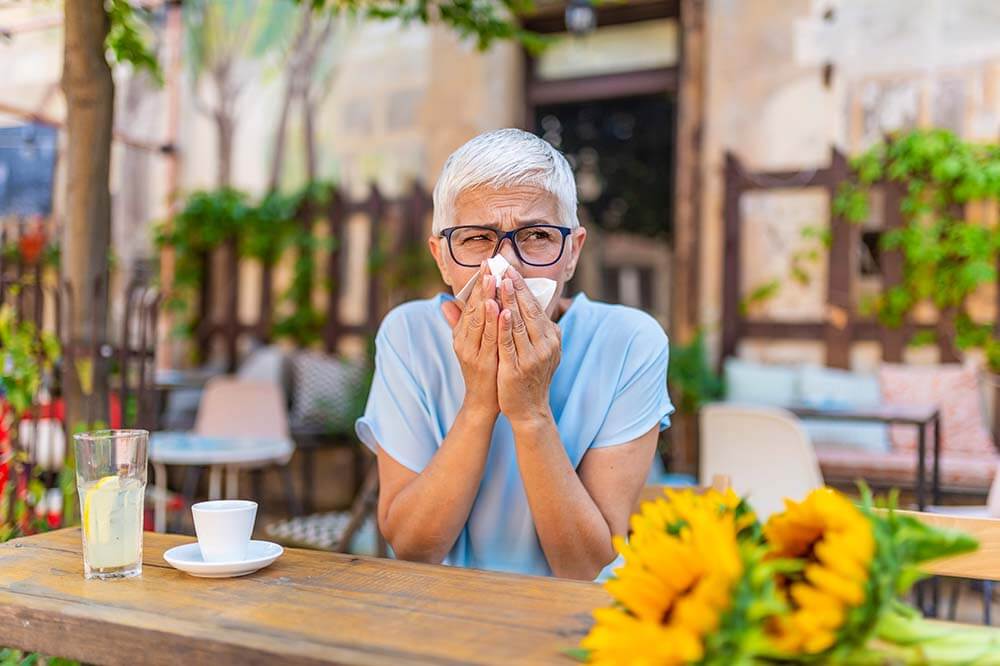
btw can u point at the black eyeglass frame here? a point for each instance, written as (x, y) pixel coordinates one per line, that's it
(504, 235)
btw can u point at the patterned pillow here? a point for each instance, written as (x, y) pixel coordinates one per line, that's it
(328, 393)
(955, 389)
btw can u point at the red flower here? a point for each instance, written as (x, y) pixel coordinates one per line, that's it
(31, 245)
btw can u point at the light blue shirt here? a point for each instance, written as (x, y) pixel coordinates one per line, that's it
(610, 388)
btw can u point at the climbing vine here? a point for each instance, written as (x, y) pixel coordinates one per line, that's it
(947, 257)
(263, 231)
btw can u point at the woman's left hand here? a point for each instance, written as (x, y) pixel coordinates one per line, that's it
(530, 349)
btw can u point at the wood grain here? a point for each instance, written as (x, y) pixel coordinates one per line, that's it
(307, 608)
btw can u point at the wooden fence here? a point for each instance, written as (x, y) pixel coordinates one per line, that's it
(842, 326)
(394, 227)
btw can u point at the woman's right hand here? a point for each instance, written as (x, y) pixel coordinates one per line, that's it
(474, 334)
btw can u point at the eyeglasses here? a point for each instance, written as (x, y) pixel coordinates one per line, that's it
(535, 244)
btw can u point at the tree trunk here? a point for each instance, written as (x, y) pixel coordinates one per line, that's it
(89, 91)
(278, 157)
(225, 126)
(309, 130)
(292, 85)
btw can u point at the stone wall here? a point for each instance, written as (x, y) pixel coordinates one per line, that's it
(789, 79)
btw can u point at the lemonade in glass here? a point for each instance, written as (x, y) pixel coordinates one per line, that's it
(111, 478)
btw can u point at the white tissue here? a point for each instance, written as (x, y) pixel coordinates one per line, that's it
(498, 265)
(542, 288)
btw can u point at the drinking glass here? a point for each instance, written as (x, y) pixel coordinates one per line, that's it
(111, 479)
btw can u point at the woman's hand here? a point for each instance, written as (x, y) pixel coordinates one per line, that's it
(530, 347)
(474, 335)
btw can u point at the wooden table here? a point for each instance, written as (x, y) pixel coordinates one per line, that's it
(307, 608)
(919, 416)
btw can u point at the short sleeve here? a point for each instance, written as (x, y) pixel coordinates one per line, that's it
(397, 416)
(641, 400)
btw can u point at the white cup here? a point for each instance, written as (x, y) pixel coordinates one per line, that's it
(224, 528)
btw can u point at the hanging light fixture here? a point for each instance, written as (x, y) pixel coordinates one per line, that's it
(581, 17)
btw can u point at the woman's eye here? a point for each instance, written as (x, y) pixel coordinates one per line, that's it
(475, 239)
(540, 235)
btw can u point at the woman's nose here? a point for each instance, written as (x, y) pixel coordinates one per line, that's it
(507, 250)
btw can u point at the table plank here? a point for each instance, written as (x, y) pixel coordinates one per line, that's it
(307, 608)
(982, 563)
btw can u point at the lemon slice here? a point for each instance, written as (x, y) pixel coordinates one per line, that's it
(94, 496)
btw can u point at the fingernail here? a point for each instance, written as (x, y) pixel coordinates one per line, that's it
(506, 316)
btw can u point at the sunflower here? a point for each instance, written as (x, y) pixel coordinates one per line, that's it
(681, 565)
(834, 541)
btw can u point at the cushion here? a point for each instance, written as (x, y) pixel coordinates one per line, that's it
(826, 387)
(955, 389)
(328, 393)
(323, 531)
(752, 383)
(959, 473)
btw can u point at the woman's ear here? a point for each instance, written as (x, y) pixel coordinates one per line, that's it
(577, 239)
(435, 244)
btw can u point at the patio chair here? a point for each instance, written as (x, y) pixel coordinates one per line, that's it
(763, 450)
(232, 408)
(335, 530)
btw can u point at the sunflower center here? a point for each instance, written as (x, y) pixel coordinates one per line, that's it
(669, 612)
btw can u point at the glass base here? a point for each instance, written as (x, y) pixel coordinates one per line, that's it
(112, 573)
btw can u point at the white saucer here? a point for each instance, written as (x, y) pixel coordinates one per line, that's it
(188, 558)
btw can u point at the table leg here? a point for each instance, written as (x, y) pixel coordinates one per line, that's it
(232, 482)
(307, 479)
(160, 506)
(921, 466)
(215, 482)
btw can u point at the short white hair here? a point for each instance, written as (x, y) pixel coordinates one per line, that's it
(503, 159)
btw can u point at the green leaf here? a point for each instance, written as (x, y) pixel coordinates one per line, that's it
(126, 39)
(760, 294)
(483, 21)
(578, 653)
(693, 381)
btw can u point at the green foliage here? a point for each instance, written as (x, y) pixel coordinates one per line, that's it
(692, 381)
(946, 258)
(218, 34)
(10, 252)
(25, 353)
(304, 325)
(10, 657)
(126, 40)
(204, 224)
(412, 267)
(263, 231)
(760, 294)
(486, 21)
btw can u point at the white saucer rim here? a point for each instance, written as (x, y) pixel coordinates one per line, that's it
(232, 564)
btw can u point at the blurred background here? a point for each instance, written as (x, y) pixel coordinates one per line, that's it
(802, 192)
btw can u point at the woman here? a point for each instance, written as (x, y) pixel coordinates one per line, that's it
(512, 435)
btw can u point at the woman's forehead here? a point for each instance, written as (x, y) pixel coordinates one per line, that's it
(508, 207)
